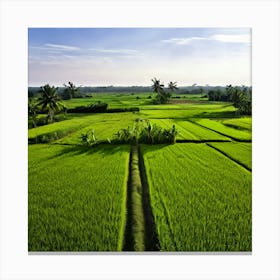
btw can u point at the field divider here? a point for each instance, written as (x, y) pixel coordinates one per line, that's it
(151, 237)
(201, 141)
(218, 132)
(140, 229)
(229, 157)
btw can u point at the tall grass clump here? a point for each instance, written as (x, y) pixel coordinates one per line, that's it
(145, 132)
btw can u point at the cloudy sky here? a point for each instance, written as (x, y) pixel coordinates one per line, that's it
(132, 56)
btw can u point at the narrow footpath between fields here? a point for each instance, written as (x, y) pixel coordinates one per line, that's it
(140, 232)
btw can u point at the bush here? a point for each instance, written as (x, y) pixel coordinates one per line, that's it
(147, 134)
(97, 107)
(120, 110)
(89, 138)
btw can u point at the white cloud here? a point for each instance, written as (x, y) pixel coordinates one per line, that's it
(62, 47)
(183, 41)
(225, 38)
(116, 51)
(242, 38)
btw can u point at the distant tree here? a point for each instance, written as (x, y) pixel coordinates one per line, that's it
(70, 91)
(172, 86)
(49, 101)
(158, 88)
(241, 99)
(32, 111)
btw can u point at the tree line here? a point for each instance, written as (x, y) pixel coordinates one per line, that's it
(241, 97)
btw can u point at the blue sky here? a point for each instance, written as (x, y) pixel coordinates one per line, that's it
(132, 56)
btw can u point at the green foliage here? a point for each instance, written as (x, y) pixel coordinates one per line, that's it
(158, 88)
(97, 107)
(77, 197)
(49, 101)
(202, 203)
(172, 86)
(89, 138)
(32, 112)
(145, 132)
(241, 98)
(70, 91)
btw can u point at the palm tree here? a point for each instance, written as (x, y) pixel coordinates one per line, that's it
(49, 101)
(172, 86)
(71, 91)
(32, 111)
(157, 87)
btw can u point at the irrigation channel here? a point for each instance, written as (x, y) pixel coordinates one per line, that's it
(140, 231)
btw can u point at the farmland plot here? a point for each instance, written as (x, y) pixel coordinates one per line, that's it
(226, 130)
(103, 131)
(239, 123)
(76, 197)
(188, 130)
(201, 200)
(240, 152)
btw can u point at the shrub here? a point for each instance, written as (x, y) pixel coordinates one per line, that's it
(144, 132)
(89, 138)
(97, 107)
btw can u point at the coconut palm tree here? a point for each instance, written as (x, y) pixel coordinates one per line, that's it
(172, 86)
(71, 91)
(157, 87)
(49, 101)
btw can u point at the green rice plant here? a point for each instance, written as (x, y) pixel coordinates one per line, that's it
(54, 131)
(104, 128)
(190, 131)
(201, 200)
(77, 197)
(225, 130)
(239, 123)
(239, 152)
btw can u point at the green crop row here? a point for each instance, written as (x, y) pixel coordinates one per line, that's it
(55, 131)
(76, 197)
(239, 123)
(189, 131)
(201, 200)
(240, 152)
(226, 130)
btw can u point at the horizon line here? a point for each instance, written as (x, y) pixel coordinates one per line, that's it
(192, 85)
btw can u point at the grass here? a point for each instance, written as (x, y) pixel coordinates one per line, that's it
(239, 123)
(201, 200)
(114, 100)
(135, 230)
(55, 131)
(188, 130)
(76, 198)
(103, 130)
(226, 130)
(240, 152)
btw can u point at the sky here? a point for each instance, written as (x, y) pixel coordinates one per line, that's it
(133, 56)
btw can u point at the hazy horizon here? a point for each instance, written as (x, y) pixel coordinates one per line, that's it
(133, 56)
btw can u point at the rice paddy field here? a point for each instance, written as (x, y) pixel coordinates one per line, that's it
(192, 196)
(197, 206)
(76, 198)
